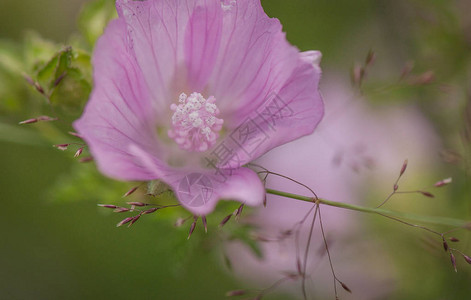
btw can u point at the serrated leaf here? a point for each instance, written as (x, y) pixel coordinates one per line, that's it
(66, 77)
(72, 92)
(58, 65)
(46, 73)
(64, 62)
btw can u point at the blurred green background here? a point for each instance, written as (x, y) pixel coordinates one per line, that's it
(52, 249)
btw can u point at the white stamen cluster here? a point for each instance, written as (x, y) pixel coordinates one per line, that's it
(195, 126)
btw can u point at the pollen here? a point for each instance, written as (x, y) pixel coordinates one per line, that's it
(195, 126)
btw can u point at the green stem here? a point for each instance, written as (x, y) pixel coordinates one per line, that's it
(412, 217)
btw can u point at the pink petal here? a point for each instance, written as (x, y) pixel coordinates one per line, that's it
(230, 50)
(167, 37)
(155, 35)
(119, 112)
(202, 41)
(288, 115)
(200, 190)
(244, 186)
(254, 59)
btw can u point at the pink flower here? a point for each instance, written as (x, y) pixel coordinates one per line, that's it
(356, 151)
(189, 91)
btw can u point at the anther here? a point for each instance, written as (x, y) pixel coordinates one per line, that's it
(195, 126)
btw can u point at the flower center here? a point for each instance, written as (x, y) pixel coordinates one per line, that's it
(195, 126)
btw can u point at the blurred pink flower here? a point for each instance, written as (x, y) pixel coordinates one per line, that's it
(189, 91)
(355, 150)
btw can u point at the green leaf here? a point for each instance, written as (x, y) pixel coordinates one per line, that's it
(157, 187)
(72, 91)
(66, 77)
(63, 64)
(46, 73)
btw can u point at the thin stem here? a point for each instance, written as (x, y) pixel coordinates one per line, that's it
(387, 199)
(290, 179)
(395, 186)
(306, 252)
(414, 225)
(272, 287)
(413, 217)
(328, 252)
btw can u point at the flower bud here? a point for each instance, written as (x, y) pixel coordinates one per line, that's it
(404, 167)
(62, 147)
(427, 194)
(453, 261)
(79, 151)
(134, 220)
(225, 220)
(107, 205)
(192, 227)
(205, 224)
(127, 220)
(345, 287)
(239, 211)
(130, 191)
(443, 182)
(149, 211)
(28, 79)
(39, 88)
(121, 209)
(29, 121)
(445, 245)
